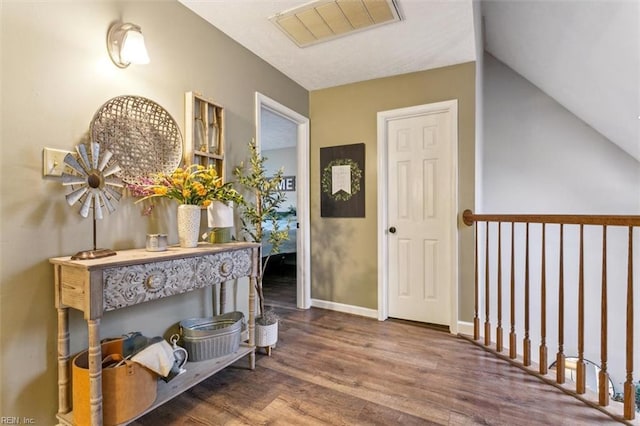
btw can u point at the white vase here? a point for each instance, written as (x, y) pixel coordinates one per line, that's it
(188, 225)
(220, 215)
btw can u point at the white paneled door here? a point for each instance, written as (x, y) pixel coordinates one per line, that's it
(420, 178)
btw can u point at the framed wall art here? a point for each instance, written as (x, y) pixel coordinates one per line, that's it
(342, 181)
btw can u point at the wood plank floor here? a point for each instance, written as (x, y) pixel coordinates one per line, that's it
(331, 368)
(279, 282)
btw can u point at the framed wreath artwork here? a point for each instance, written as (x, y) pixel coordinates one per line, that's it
(342, 181)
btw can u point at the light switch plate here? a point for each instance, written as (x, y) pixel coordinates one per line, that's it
(53, 161)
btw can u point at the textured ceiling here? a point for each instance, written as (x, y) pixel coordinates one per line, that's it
(584, 54)
(432, 34)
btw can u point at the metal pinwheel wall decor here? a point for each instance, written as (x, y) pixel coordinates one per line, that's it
(94, 186)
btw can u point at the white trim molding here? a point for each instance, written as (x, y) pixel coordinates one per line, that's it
(465, 327)
(347, 309)
(303, 257)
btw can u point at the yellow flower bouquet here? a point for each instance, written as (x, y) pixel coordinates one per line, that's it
(195, 185)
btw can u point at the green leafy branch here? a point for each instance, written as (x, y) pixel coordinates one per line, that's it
(261, 207)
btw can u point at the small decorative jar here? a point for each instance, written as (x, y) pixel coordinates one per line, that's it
(156, 242)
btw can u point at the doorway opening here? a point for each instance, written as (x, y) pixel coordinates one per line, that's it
(282, 136)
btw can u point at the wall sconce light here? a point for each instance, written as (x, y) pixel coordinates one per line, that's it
(126, 45)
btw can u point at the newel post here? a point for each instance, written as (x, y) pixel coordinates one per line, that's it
(467, 218)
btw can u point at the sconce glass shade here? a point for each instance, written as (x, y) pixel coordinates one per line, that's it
(125, 43)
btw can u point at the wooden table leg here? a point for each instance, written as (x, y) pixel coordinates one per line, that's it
(63, 361)
(95, 372)
(252, 321)
(215, 299)
(223, 297)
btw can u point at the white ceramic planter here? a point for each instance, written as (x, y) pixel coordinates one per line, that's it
(266, 335)
(220, 215)
(188, 225)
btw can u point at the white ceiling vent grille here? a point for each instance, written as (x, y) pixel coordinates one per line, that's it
(327, 19)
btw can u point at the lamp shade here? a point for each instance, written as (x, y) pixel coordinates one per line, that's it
(126, 45)
(133, 49)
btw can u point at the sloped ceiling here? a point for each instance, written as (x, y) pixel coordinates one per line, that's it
(584, 54)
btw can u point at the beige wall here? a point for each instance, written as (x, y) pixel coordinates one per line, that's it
(344, 250)
(55, 75)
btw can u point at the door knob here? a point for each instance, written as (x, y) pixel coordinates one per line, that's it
(392, 230)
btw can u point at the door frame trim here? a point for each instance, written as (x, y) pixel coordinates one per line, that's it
(383, 118)
(303, 246)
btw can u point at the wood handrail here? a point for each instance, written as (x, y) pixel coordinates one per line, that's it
(567, 219)
(524, 285)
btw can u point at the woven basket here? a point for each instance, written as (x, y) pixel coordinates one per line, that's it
(127, 390)
(212, 337)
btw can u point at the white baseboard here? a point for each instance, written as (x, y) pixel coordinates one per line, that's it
(347, 309)
(465, 328)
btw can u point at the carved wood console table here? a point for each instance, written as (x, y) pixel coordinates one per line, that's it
(136, 276)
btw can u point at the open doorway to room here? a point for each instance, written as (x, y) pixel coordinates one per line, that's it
(278, 146)
(282, 136)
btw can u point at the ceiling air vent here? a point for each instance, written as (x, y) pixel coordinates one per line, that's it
(324, 20)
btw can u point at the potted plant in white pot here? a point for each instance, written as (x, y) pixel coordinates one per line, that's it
(256, 210)
(220, 213)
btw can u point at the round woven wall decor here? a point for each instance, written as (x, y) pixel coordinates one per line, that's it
(143, 137)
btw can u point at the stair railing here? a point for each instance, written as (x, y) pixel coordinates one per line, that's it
(491, 295)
